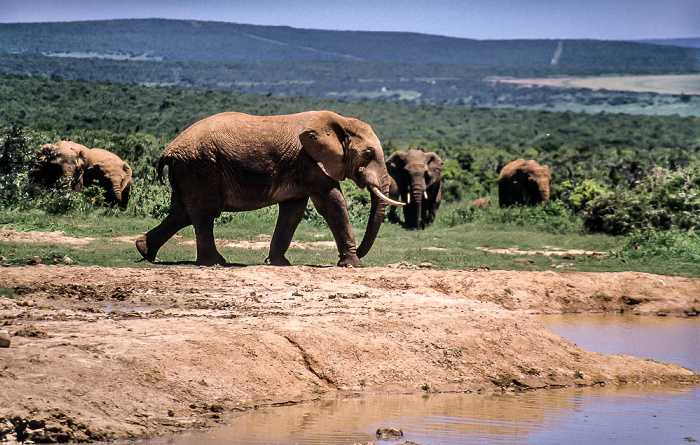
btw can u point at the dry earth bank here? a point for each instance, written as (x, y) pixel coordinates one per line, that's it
(109, 353)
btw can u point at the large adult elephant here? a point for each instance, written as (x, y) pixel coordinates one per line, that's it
(417, 178)
(237, 162)
(523, 182)
(80, 167)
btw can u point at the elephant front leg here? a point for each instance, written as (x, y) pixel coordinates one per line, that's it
(333, 209)
(290, 214)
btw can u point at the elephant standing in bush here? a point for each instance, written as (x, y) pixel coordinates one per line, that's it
(523, 182)
(238, 162)
(417, 178)
(81, 167)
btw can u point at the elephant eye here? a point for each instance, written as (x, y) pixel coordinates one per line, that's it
(367, 153)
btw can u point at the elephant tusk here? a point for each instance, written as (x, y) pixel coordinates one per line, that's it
(425, 195)
(376, 191)
(408, 198)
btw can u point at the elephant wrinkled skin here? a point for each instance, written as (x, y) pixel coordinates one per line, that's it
(237, 162)
(417, 179)
(523, 182)
(80, 167)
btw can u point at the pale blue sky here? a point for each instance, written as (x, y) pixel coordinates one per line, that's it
(476, 19)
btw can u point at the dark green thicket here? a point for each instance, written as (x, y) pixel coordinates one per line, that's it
(664, 200)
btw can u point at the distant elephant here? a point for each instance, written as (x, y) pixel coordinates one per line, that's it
(481, 203)
(237, 162)
(523, 182)
(79, 167)
(417, 178)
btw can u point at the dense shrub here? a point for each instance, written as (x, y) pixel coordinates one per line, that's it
(665, 199)
(553, 216)
(15, 154)
(672, 244)
(584, 193)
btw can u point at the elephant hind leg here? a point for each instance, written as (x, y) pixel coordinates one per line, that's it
(290, 214)
(207, 255)
(149, 244)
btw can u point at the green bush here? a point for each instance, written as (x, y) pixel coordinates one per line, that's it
(584, 193)
(666, 200)
(15, 154)
(553, 216)
(670, 244)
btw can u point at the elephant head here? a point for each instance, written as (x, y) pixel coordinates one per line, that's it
(418, 179)
(348, 148)
(523, 182)
(106, 170)
(58, 163)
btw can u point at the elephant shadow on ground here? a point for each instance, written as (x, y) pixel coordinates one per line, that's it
(190, 263)
(227, 265)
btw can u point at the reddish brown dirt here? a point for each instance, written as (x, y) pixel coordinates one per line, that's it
(109, 353)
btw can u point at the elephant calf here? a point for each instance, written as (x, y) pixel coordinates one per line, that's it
(523, 182)
(417, 178)
(79, 167)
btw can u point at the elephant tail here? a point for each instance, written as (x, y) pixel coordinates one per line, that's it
(162, 162)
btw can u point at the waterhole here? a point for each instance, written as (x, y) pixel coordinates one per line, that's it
(652, 415)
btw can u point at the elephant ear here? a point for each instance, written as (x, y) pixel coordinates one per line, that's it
(395, 163)
(433, 159)
(323, 138)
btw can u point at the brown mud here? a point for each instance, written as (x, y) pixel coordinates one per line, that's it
(111, 353)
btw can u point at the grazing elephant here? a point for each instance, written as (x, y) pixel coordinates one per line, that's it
(81, 167)
(237, 162)
(523, 182)
(417, 178)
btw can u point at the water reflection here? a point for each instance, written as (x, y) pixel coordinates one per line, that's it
(563, 416)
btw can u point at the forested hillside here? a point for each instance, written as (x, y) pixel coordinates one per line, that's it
(137, 123)
(177, 40)
(418, 83)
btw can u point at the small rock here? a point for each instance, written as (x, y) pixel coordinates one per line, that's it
(4, 339)
(35, 260)
(426, 265)
(389, 433)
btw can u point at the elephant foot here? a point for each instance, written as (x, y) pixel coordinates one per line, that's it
(277, 261)
(217, 260)
(142, 247)
(350, 261)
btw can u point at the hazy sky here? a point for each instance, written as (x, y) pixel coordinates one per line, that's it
(476, 19)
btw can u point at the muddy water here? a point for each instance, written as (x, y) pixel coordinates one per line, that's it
(570, 416)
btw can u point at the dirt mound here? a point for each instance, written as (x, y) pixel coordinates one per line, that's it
(110, 353)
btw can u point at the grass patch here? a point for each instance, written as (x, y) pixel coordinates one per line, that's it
(445, 245)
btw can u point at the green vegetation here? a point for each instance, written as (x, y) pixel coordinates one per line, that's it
(400, 82)
(594, 159)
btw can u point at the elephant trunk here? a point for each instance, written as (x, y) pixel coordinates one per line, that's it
(116, 189)
(413, 213)
(376, 215)
(544, 190)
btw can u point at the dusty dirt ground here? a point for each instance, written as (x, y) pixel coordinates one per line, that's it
(111, 353)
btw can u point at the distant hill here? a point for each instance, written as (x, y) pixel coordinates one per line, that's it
(177, 40)
(687, 43)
